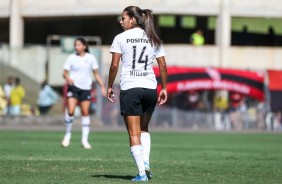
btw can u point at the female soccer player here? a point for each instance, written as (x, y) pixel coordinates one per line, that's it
(137, 47)
(77, 73)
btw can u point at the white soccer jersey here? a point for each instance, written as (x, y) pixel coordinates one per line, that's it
(137, 56)
(80, 69)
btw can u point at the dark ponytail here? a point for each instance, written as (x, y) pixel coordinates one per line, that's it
(150, 28)
(84, 42)
(145, 20)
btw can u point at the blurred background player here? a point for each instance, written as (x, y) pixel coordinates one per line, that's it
(47, 97)
(17, 94)
(137, 47)
(7, 90)
(77, 73)
(3, 101)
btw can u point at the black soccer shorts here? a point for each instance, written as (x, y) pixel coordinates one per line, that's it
(79, 94)
(138, 101)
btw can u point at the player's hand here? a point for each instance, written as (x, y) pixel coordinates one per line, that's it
(110, 95)
(162, 97)
(70, 81)
(104, 92)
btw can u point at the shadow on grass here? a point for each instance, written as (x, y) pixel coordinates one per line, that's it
(126, 177)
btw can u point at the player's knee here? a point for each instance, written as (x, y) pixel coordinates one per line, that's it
(85, 113)
(69, 119)
(71, 114)
(144, 128)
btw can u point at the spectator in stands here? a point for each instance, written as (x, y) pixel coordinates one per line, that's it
(3, 101)
(193, 100)
(46, 99)
(277, 121)
(271, 37)
(245, 39)
(7, 90)
(261, 115)
(197, 38)
(17, 94)
(237, 110)
(221, 104)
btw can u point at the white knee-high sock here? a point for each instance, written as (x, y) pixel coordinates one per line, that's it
(146, 143)
(137, 154)
(85, 121)
(68, 122)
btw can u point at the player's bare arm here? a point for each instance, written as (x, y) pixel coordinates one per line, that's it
(163, 71)
(112, 75)
(67, 78)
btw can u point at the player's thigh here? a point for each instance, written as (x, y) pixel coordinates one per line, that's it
(149, 102)
(72, 99)
(133, 125)
(71, 105)
(85, 107)
(148, 106)
(85, 102)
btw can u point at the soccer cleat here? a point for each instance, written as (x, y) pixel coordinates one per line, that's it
(86, 145)
(66, 142)
(148, 170)
(139, 178)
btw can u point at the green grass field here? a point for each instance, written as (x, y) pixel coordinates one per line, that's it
(36, 157)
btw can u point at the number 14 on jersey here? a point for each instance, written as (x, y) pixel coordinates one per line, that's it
(140, 59)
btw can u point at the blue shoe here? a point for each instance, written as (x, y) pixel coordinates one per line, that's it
(148, 170)
(140, 178)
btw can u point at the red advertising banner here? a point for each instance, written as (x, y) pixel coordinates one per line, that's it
(275, 79)
(275, 87)
(246, 82)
